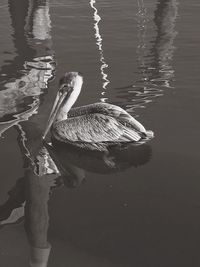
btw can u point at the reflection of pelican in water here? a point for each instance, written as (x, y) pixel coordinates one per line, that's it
(71, 166)
(72, 163)
(95, 126)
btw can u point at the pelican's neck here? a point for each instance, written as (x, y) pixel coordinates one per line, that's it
(61, 115)
(69, 101)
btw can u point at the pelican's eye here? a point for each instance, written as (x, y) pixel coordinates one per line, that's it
(63, 88)
(66, 89)
(69, 90)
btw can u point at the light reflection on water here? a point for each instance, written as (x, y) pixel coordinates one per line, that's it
(99, 43)
(26, 76)
(25, 79)
(155, 67)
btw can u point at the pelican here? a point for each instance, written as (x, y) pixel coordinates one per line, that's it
(96, 126)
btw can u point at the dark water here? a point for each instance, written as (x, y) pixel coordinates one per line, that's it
(141, 207)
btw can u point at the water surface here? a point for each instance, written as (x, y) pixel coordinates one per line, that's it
(142, 208)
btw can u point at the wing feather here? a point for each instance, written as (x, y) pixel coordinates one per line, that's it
(110, 110)
(94, 128)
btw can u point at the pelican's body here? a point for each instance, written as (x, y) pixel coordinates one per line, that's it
(94, 126)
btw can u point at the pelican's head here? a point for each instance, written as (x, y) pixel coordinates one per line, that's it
(69, 90)
(71, 81)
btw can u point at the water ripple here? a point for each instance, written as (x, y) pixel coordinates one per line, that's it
(154, 55)
(20, 98)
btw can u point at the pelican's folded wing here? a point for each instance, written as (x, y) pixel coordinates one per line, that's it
(94, 128)
(110, 110)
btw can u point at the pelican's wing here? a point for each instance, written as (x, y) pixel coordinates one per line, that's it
(110, 110)
(94, 128)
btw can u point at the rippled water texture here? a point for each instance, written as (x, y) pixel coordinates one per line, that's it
(134, 207)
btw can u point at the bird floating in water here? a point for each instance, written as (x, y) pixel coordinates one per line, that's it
(96, 126)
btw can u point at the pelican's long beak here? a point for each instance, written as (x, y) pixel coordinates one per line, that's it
(56, 106)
